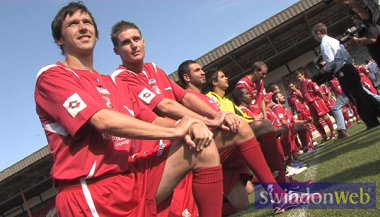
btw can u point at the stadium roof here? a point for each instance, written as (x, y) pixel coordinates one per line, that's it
(275, 41)
(30, 176)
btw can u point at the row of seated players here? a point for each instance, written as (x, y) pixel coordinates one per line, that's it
(277, 152)
(196, 81)
(252, 100)
(277, 144)
(247, 96)
(217, 83)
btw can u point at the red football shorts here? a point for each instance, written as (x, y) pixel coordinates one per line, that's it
(130, 194)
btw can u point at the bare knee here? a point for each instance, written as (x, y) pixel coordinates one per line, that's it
(245, 132)
(245, 129)
(261, 127)
(208, 157)
(238, 197)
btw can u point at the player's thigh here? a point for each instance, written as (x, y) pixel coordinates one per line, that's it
(180, 161)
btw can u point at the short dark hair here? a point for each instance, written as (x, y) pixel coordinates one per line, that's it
(211, 76)
(272, 87)
(69, 10)
(299, 71)
(258, 66)
(184, 69)
(293, 83)
(319, 27)
(237, 95)
(120, 26)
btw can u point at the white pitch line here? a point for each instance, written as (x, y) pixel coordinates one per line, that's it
(310, 173)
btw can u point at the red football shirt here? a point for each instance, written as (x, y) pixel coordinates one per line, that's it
(65, 101)
(256, 89)
(150, 85)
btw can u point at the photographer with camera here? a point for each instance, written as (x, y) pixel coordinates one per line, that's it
(369, 37)
(368, 10)
(340, 63)
(365, 14)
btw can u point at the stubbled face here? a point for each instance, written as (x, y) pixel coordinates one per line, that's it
(246, 96)
(260, 74)
(78, 34)
(222, 81)
(131, 47)
(281, 98)
(300, 78)
(292, 86)
(197, 76)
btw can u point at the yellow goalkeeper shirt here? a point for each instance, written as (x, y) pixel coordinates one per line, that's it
(225, 104)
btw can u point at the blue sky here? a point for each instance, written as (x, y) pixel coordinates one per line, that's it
(174, 30)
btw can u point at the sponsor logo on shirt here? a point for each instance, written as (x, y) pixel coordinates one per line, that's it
(146, 95)
(107, 101)
(103, 90)
(155, 88)
(117, 141)
(105, 95)
(74, 104)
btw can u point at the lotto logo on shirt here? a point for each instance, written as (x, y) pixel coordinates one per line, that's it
(74, 104)
(146, 95)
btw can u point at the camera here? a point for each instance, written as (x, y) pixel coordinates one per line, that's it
(352, 32)
(348, 34)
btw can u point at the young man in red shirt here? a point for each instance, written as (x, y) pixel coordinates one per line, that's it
(297, 126)
(299, 107)
(318, 109)
(254, 83)
(91, 127)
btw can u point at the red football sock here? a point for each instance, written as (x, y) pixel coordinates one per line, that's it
(346, 115)
(305, 138)
(330, 125)
(321, 130)
(268, 144)
(296, 144)
(280, 149)
(251, 150)
(287, 146)
(208, 190)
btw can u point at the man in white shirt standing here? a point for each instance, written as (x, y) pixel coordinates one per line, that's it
(339, 62)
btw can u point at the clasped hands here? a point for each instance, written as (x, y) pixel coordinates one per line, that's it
(198, 136)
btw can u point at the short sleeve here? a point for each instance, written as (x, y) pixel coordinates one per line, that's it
(61, 99)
